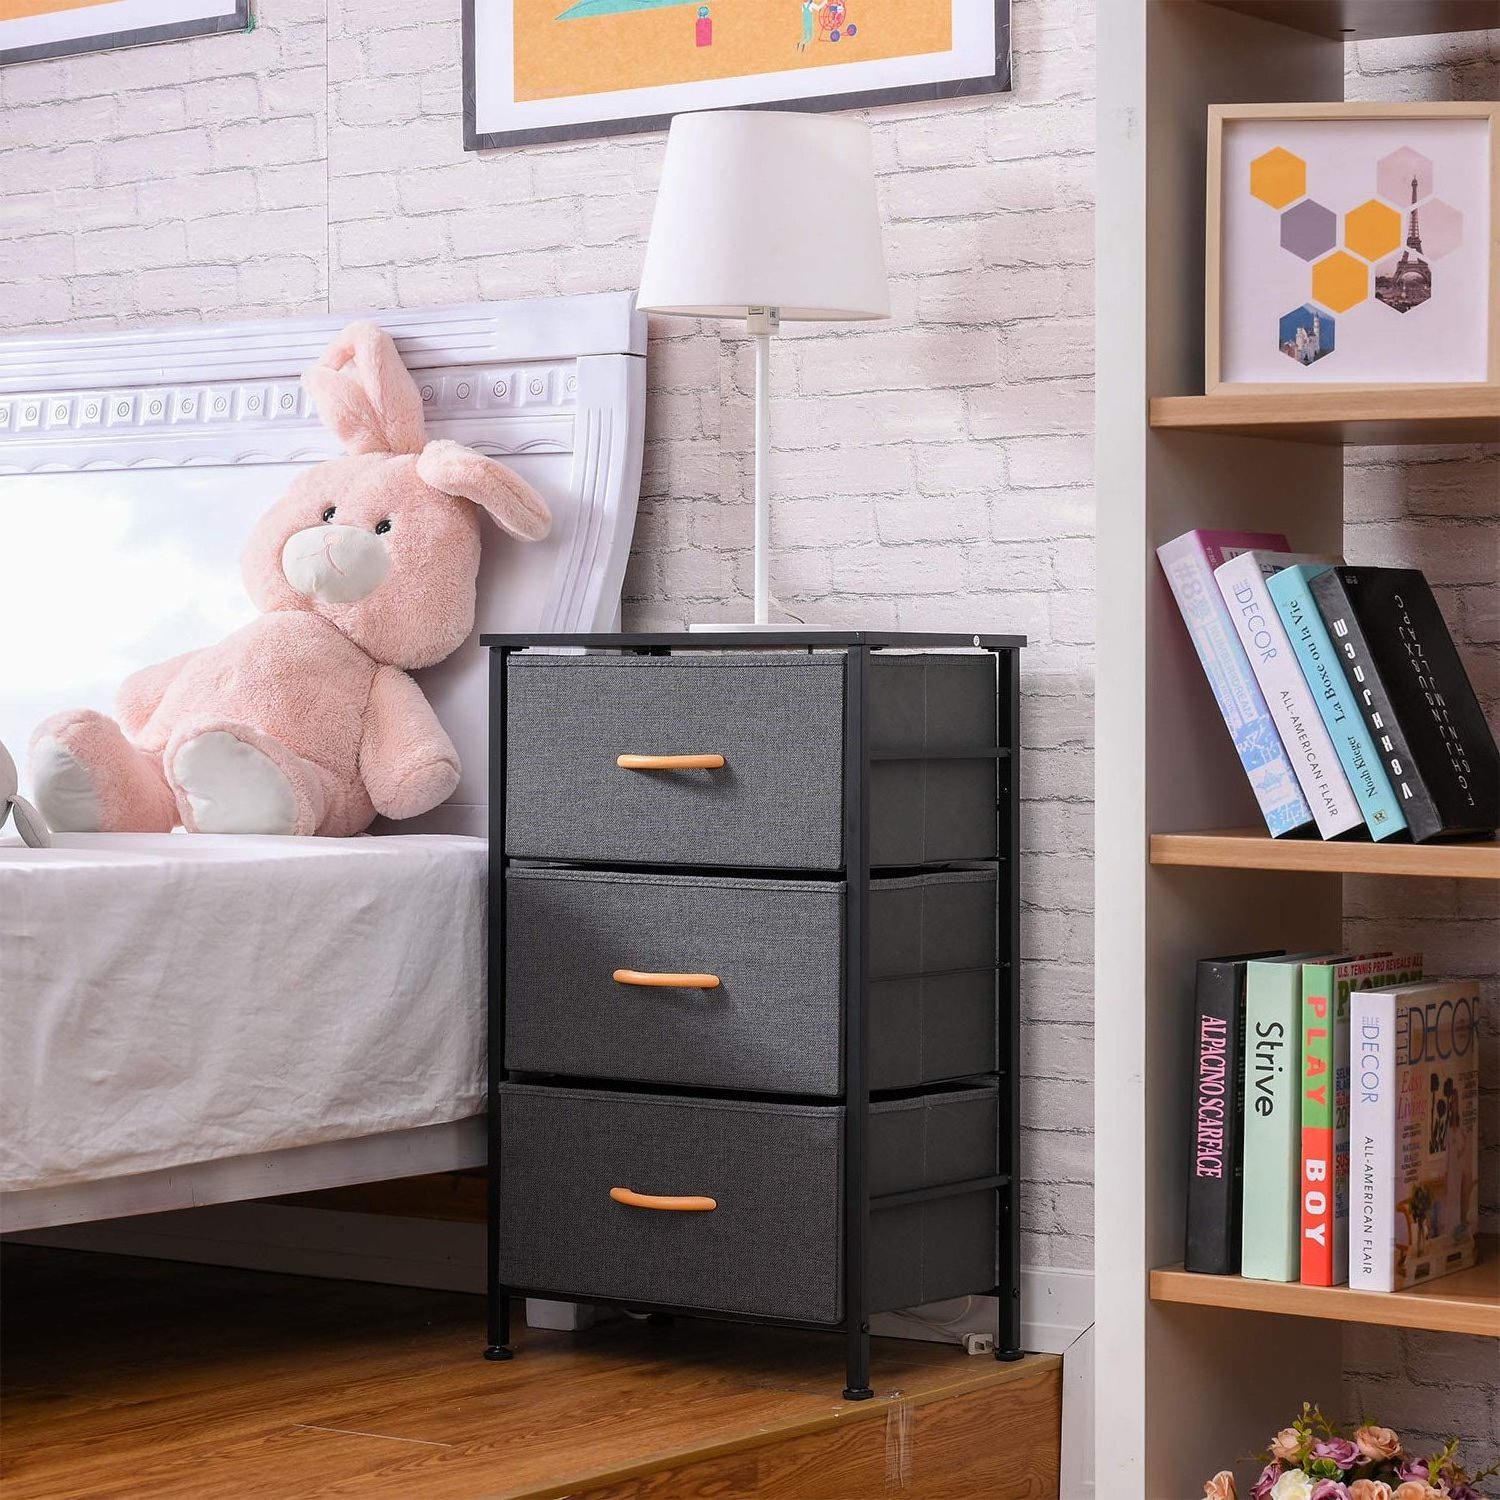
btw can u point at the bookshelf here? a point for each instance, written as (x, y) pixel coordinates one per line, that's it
(1365, 20)
(1254, 849)
(1465, 1302)
(1371, 417)
(1180, 868)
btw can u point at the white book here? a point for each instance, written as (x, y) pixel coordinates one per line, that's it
(1372, 1138)
(1414, 1133)
(1294, 710)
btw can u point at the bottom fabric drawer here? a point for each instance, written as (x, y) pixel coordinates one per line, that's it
(585, 1172)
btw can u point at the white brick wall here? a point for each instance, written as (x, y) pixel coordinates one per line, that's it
(934, 471)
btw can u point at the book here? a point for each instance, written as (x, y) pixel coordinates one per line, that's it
(1271, 1225)
(1415, 698)
(1326, 988)
(1214, 1175)
(1414, 1123)
(1242, 582)
(1189, 562)
(1324, 672)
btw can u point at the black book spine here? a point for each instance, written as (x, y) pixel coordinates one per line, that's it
(1331, 595)
(1215, 1165)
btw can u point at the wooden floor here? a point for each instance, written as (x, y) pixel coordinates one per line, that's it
(129, 1378)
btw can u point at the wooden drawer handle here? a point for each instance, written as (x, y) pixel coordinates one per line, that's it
(668, 1204)
(670, 762)
(648, 980)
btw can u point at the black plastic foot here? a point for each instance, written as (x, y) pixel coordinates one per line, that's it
(660, 1320)
(1010, 1356)
(857, 1393)
(499, 1351)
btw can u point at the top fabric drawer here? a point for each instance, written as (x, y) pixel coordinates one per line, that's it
(777, 720)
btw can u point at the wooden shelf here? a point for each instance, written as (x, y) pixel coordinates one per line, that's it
(1377, 415)
(1363, 20)
(1465, 1302)
(1254, 849)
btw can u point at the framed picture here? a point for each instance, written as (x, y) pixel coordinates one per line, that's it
(543, 70)
(1352, 244)
(31, 29)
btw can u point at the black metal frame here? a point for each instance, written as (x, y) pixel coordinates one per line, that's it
(856, 875)
(239, 19)
(988, 83)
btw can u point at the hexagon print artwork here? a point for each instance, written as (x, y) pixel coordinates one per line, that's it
(1306, 334)
(1340, 280)
(1370, 221)
(1404, 177)
(1441, 228)
(1403, 282)
(1309, 230)
(1278, 177)
(1372, 230)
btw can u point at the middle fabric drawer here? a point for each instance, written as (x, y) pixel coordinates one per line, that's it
(730, 982)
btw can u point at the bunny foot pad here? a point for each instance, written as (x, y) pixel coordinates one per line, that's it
(227, 784)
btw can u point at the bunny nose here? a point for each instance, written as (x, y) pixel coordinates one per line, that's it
(335, 564)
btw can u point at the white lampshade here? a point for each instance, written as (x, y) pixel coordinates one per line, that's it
(764, 209)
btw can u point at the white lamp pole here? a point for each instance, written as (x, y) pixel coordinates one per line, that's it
(767, 216)
(762, 323)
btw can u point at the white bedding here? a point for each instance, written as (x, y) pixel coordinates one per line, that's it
(167, 999)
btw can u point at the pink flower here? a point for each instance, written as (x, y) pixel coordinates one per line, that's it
(1286, 1444)
(1369, 1489)
(1339, 1449)
(1221, 1487)
(1377, 1442)
(1268, 1477)
(1329, 1489)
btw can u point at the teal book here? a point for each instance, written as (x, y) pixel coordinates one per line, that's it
(1313, 647)
(1271, 1225)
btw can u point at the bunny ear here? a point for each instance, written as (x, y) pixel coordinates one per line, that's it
(364, 394)
(510, 501)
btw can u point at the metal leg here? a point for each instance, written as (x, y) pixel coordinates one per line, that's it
(499, 1329)
(1008, 848)
(498, 1301)
(858, 1372)
(856, 1078)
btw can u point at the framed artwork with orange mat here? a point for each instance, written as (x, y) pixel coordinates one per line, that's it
(564, 69)
(31, 29)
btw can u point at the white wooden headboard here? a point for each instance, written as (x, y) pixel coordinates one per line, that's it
(144, 455)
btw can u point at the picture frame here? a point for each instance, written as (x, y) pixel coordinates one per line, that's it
(1309, 246)
(823, 70)
(58, 28)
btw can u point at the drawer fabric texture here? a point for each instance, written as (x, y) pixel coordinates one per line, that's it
(777, 718)
(772, 1244)
(774, 1022)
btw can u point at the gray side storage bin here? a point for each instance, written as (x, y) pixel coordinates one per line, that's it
(772, 1245)
(778, 721)
(772, 1025)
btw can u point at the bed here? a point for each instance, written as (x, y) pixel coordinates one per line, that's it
(192, 1019)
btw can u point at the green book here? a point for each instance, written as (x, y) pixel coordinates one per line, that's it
(1269, 1249)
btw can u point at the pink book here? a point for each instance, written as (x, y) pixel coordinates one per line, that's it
(1189, 562)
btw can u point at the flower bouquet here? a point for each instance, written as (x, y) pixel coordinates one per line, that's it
(1313, 1460)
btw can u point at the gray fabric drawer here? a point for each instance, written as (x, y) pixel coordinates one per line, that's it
(772, 1245)
(778, 721)
(776, 946)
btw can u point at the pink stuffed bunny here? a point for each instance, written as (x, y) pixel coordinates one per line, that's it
(305, 721)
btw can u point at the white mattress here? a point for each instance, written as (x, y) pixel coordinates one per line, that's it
(168, 999)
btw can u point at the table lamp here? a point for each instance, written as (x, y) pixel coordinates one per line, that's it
(770, 217)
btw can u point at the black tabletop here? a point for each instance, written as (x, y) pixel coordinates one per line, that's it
(729, 637)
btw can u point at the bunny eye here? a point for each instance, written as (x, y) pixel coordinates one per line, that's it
(329, 513)
(381, 527)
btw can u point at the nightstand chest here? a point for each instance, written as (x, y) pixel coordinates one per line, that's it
(753, 984)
